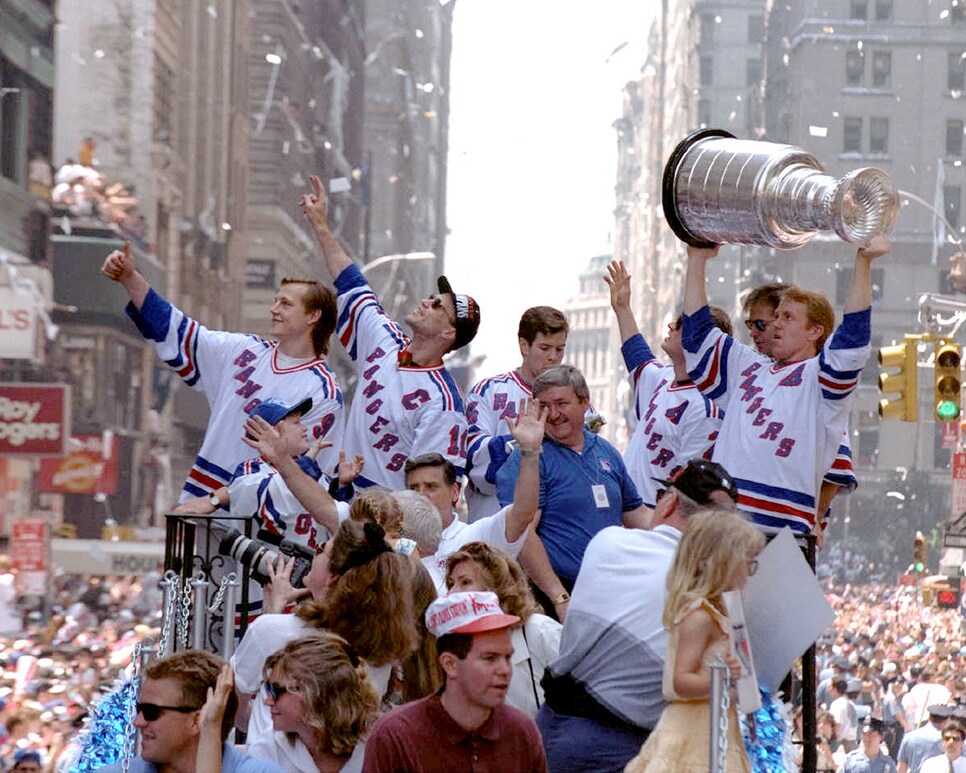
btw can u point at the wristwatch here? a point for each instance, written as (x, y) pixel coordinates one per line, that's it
(215, 501)
(563, 598)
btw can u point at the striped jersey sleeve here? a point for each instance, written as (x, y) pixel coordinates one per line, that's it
(363, 324)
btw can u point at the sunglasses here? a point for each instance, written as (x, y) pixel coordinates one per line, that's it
(276, 691)
(757, 324)
(953, 738)
(436, 302)
(151, 711)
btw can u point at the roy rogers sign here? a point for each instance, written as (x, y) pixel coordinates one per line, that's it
(34, 419)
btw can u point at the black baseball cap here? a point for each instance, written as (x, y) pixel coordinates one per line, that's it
(699, 479)
(871, 723)
(467, 314)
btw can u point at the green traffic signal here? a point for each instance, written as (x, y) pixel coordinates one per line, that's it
(919, 566)
(947, 410)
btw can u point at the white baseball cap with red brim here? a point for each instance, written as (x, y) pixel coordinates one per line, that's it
(470, 612)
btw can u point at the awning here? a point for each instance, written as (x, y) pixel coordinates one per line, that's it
(94, 556)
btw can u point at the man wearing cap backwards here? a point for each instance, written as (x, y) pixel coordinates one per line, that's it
(919, 745)
(465, 725)
(869, 758)
(951, 760)
(236, 371)
(603, 692)
(406, 403)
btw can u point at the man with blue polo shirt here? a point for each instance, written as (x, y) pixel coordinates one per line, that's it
(584, 487)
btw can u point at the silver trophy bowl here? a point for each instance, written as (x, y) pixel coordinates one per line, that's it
(721, 189)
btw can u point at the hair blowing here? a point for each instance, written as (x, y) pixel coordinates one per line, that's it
(340, 703)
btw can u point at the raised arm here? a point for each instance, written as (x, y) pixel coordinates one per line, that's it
(314, 498)
(695, 293)
(119, 266)
(859, 296)
(527, 430)
(315, 206)
(209, 722)
(619, 282)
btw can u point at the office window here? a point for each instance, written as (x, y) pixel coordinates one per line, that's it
(883, 10)
(163, 100)
(706, 31)
(953, 204)
(707, 67)
(878, 135)
(843, 277)
(881, 69)
(854, 68)
(954, 137)
(704, 112)
(956, 75)
(858, 9)
(852, 136)
(756, 29)
(753, 72)
(957, 12)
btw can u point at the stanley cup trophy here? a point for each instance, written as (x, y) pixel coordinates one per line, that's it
(721, 189)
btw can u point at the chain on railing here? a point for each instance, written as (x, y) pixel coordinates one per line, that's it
(171, 589)
(130, 733)
(720, 701)
(185, 616)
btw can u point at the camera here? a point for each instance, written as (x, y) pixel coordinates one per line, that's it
(256, 554)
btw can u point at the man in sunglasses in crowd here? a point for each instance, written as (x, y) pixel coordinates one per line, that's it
(173, 692)
(675, 422)
(406, 403)
(603, 692)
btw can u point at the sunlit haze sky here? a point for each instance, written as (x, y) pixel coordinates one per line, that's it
(535, 88)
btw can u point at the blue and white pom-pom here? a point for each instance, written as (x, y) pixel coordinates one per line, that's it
(767, 737)
(102, 739)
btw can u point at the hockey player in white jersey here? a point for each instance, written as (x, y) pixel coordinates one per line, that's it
(542, 337)
(675, 422)
(783, 419)
(760, 307)
(406, 403)
(236, 371)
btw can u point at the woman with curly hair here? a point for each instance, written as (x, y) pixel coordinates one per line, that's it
(319, 692)
(361, 590)
(536, 641)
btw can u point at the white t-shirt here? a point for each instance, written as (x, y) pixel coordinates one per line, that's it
(491, 530)
(535, 650)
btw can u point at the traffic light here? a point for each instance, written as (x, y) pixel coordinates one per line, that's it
(919, 553)
(904, 382)
(948, 382)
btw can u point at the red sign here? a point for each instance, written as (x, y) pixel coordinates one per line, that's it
(28, 548)
(950, 437)
(34, 419)
(957, 498)
(89, 467)
(947, 599)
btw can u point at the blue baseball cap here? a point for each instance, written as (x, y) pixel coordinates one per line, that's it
(27, 755)
(273, 411)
